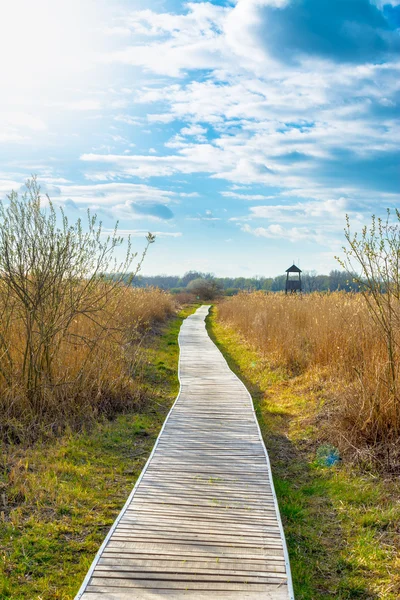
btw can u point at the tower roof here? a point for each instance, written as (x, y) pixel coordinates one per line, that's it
(293, 269)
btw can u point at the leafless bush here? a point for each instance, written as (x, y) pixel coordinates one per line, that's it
(67, 330)
(185, 298)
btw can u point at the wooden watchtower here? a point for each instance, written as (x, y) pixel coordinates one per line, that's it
(293, 280)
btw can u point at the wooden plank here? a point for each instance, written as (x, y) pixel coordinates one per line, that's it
(212, 509)
(211, 586)
(187, 522)
(130, 549)
(236, 540)
(121, 569)
(98, 593)
(186, 548)
(202, 521)
(192, 566)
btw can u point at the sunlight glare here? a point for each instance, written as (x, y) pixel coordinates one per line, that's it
(47, 47)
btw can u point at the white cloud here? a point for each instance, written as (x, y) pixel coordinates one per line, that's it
(7, 185)
(160, 118)
(10, 136)
(143, 233)
(247, 197)
(18, 126)
(273, 123)
(128, 119)
(193, 40)
(22, 120)
(304, 211)
(88, 104)
(291, 234)
(112, 194)
(194, 130)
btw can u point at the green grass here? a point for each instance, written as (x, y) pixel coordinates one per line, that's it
(58, 501)
(342, 526)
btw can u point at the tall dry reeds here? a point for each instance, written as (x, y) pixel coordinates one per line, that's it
(96, 367)
(70, 325)
(335, 335)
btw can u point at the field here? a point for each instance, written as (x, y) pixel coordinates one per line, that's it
(329, 341)
(61, 494)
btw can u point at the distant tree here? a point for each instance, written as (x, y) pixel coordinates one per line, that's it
(342, 280)
(231, 291)
(337, 280)
(188, 277)
(323, 283)
(205, 289)
(310, 281)
(267, 284)
(278, 283)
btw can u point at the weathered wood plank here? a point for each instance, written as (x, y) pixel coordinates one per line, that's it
(118, 548)
(184, 584)
(98, 593)
(193, 566)
(202, 521)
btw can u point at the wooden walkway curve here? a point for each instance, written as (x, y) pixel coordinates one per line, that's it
(202, 521)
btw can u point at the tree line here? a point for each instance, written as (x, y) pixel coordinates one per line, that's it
(312, 282)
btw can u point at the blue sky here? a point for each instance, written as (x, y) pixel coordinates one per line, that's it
(240, 132)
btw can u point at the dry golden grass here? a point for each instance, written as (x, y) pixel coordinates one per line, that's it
(95, 369)
(334, 337)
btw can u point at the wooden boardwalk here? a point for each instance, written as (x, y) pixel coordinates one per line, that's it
(202, 521)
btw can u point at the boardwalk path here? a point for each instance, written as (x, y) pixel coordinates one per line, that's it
(202, 522)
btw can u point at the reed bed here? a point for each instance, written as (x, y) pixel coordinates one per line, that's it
(95, 364)
(334, 338)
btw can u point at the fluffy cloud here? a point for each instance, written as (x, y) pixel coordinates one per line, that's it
(109, 194)
(308, 109)
(143, 233)
(355, 32)
(318, 221)
(193, 40)
(303, 211)
(291, 234)
(125, 201)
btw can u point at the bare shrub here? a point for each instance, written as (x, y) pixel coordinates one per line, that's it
(185, 298)
(67, 330)
(204, 288)
(373, 259)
